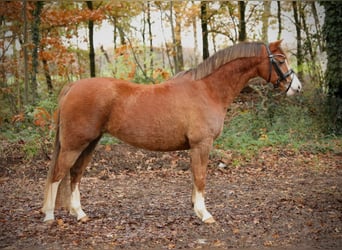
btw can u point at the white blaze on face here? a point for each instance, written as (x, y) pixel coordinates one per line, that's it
(295, 87)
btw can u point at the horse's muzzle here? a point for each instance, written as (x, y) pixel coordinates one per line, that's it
(295, 85)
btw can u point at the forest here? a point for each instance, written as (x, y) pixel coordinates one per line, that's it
(292, 143)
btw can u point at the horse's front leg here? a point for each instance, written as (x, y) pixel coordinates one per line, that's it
(199, 162)
(75, 204)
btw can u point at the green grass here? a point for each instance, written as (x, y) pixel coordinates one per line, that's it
(282, 124)
(107, 139)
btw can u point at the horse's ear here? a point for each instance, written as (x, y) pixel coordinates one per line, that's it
(275, 45)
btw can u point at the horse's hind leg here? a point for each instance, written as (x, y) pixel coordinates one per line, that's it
(65, 159)
(50, 198)
(76, 173)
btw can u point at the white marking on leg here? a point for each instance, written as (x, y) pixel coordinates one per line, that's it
(199, 206)
(50, 201)
(75, 203)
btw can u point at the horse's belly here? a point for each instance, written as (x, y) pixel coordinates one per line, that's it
(154, 141)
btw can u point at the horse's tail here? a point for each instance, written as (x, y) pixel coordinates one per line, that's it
(64, 188)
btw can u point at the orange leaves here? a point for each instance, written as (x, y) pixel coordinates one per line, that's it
(13, 10)
(73, 16)
(122, 50)
(18, 118)
(122, 54)
(43, 119)
(160, 75)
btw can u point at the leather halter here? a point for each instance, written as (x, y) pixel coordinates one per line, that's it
(274, 63)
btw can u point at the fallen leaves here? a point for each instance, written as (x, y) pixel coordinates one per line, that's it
(144, 202)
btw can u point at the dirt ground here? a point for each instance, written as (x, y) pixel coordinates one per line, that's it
(137, 199)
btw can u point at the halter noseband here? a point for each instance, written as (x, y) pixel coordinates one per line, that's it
(282, 76)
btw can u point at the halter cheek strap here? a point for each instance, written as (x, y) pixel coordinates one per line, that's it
(274, 64)
(271, 57)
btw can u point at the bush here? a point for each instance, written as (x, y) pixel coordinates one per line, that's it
(298, 123)
(34, 128)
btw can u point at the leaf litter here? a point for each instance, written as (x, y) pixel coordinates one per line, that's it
(138, 199)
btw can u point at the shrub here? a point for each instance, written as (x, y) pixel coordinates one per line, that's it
(298, 123)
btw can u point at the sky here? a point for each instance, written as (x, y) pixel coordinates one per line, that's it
(104, 33)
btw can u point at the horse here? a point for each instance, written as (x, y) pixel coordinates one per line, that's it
(185, 112)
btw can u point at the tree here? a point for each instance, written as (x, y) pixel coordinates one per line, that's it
(265, 17)
(25, 43)
(150, 37)
(332, 31)
(176, 10)
(296, 9)
(91, 42)
(204, 25)
(311, 45)
(36, 40)
(279, 20)
(242, 23)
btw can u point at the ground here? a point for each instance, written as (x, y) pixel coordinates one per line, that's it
(136, 199)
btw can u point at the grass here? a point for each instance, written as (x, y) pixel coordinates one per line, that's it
(281, 124)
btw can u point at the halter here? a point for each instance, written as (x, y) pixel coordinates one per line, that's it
(275, 63)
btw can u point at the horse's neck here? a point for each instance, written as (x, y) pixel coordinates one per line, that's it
(227, 82)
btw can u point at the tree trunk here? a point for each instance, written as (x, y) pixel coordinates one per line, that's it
(177, 45)
(104, 52)
(314, 69)
(204, 25)
(26, 74)
(143, 31)
(178, 39)
(47, 77)
(150, 37)
(265, 17)
(279, 20)
(36, 40)
(91, 42)
(298, 37)
(242, 24)
(194, 27)
(332, 31)
(173, 53)
(317, 26)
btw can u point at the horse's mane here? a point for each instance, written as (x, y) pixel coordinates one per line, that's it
(222, 57)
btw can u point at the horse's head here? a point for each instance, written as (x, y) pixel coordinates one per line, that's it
(277, 71)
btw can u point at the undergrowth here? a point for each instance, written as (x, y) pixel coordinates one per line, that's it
(297, 123)
(33, 129)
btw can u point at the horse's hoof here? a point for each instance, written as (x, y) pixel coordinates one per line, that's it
(84, 219)
(210, 220)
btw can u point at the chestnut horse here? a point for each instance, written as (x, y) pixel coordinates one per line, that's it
(185, 112)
